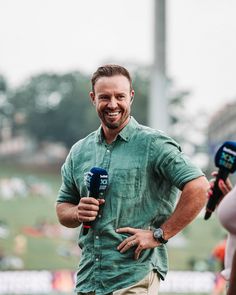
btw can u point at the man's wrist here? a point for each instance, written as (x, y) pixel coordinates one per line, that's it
(158, 235)
(76, 217)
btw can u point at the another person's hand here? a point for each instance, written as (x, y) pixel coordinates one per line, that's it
(140, 238)
(225, 186)
(87, 209)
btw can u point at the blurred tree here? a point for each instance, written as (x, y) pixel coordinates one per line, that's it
(3, 84)
(6, 110)
(55, 107)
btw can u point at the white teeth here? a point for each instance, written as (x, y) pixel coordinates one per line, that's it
(113, 114)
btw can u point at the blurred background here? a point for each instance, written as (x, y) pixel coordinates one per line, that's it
(181, 55)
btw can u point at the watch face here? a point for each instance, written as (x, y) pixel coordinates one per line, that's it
(158, 233)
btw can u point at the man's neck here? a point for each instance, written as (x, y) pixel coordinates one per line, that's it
(111, 134)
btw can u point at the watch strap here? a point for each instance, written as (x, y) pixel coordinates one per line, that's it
(162, 240)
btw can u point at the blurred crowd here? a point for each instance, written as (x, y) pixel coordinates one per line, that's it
(18, 187)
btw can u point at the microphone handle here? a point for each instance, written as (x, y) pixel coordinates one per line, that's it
(216, 193)
(88, 225)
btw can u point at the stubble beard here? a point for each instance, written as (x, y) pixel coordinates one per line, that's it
(115, 125)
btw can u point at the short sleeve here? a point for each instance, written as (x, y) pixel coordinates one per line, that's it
(68, 191)
(172, 163)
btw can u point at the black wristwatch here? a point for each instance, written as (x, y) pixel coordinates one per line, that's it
(158, 235)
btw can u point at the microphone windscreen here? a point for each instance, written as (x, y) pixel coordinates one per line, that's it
(225, 157)
(96, 180)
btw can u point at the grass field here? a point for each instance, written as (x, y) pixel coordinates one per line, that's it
(27, 212)
(51, 253)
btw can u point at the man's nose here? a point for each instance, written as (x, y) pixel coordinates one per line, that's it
(112, 103)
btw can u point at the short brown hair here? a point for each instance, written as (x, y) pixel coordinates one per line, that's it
(109, 71)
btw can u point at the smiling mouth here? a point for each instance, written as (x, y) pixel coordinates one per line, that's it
(113, 114)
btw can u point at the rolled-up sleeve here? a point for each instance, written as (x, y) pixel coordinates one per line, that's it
(173, 164)
(68, 191)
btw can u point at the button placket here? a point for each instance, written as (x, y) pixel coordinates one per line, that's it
(107, 157)
(97, 262)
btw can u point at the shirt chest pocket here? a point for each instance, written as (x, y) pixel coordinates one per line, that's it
(126, 183)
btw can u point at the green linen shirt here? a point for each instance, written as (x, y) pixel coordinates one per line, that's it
(146, 170)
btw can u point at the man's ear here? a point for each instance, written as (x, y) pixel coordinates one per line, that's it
(132, 95)
(92, 97)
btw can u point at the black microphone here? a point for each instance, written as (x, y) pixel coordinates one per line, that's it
(225, 160)
(96, 181)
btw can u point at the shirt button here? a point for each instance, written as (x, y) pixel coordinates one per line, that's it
(99, 216)
(108, 151)
(97, 237)
(96, 259)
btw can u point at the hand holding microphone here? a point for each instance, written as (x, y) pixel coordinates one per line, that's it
(225, 160)
(96, 181)
(225, 186)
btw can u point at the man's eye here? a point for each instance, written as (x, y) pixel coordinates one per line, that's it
(121, 96)
(103, 97)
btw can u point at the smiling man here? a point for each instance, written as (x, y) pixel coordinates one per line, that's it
(124, 252)
(112, 97)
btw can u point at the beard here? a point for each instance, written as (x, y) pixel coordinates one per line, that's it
(113, 126)
(116, 124)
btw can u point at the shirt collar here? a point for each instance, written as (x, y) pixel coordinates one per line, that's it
(125, 133)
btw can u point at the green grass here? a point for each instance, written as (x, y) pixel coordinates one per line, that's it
(201, 236)
(27, 211)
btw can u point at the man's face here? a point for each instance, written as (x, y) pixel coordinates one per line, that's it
(112, 98)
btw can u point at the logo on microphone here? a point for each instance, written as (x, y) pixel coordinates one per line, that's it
(227, 160)
(103, 182)
(226, 157)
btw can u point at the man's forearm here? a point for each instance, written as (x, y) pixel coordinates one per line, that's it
(67, 214)
(192, 200)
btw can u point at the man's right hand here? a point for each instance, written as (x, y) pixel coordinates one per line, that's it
(71, 215)
(87, 209)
